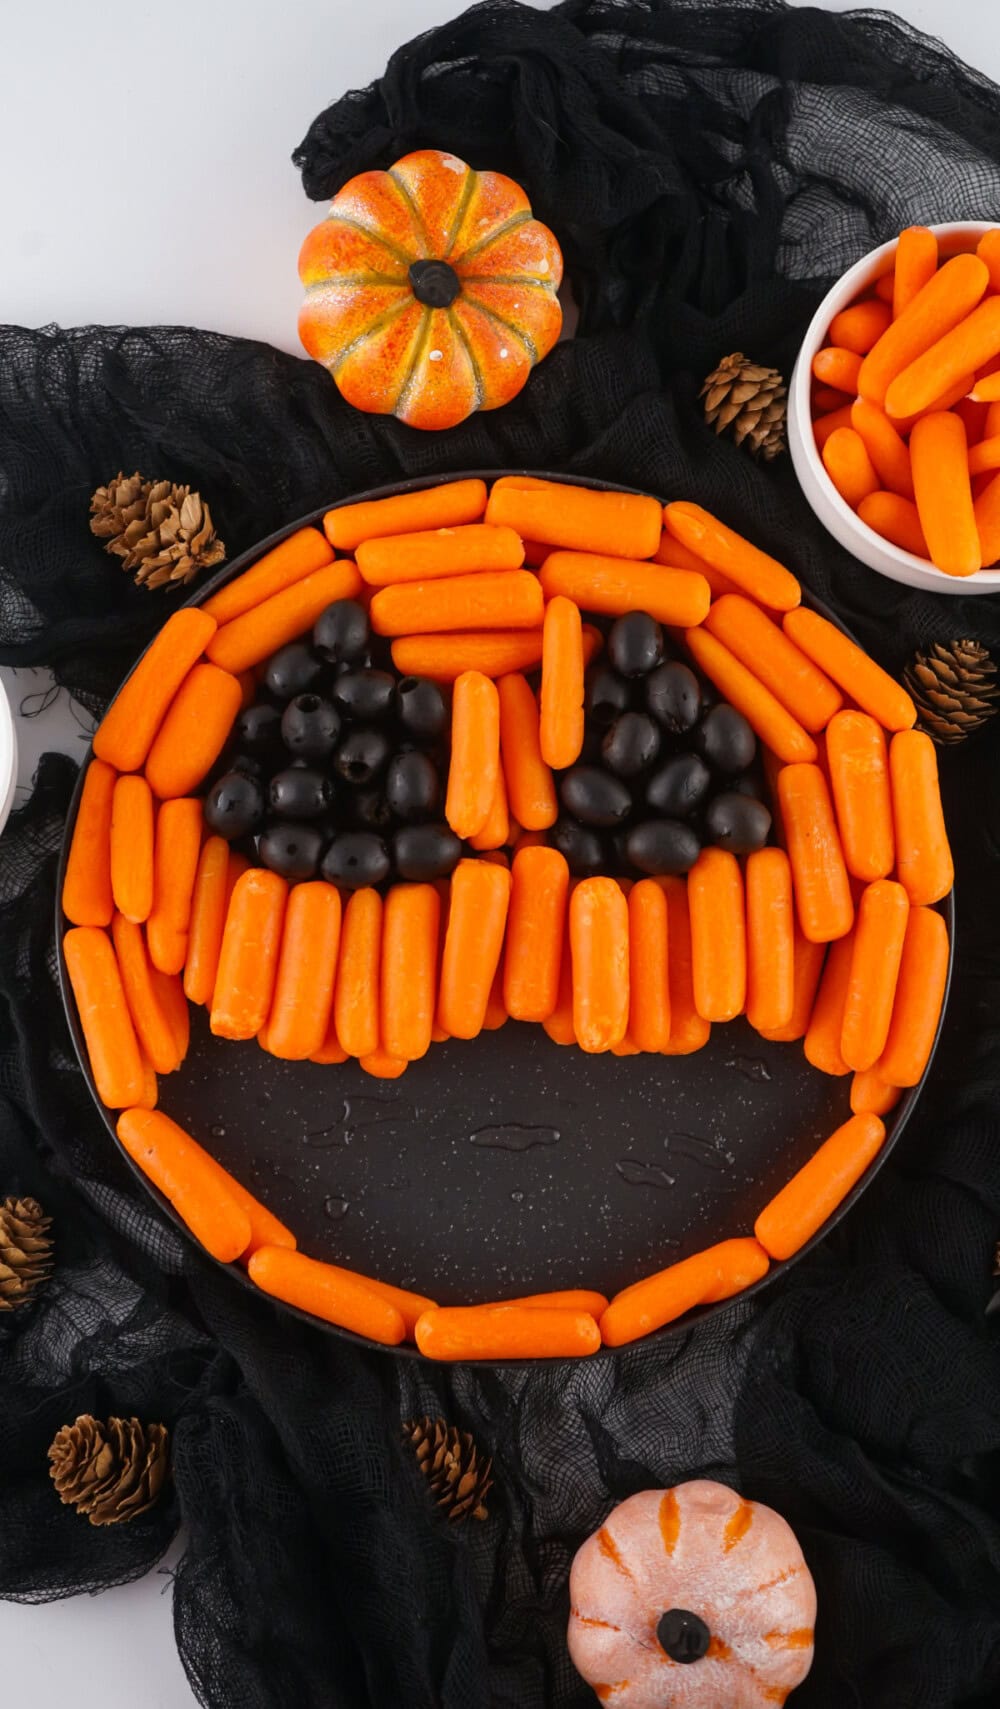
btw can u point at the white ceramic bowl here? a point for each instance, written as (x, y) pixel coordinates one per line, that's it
(8, 757)
(833, 511)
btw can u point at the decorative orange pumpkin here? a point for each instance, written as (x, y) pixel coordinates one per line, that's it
(691, 1598)
(431, 291)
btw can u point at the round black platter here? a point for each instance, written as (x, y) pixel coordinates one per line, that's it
(506, 1165)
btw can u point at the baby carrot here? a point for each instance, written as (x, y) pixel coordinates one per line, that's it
(506, 1332)
(356, 994)
(165, 1141)
(151, 1023)
(883, 287)
(886, 449)
(531, 790)
(871, 1095)
(649, 962)
(801, 1208)
(324, 1290)
(946, 299)
(189, 1179)
(112, 1047)
(248, 959)
(765, 714)
(194, 731)
(382, 1065)
(826, 1023)
(754, 572)
(988, 250)
(446, 506)
(125, 733)
(480, 896)
(689, 1030)
(916, 264)
(295, 558)
(827, 425)
(852, 670)
(846, 461)
(624, 524)
(560, 727)
(714, 1274)
(307, 967)
(838, 368)
(175, 865)
(823, 399)
(858, 764)
(896, 520)
(718, 935)
(493, 599)
(475, 753)
(859, 326)
(677, 557)
(439, 552)
(613, 586)
(966, 347)
(150, 1088)
(563, 1299)
(987, 514)
(875, 959)
(410, 922)
(495, 652)
(536, 927)
(923, 856)
(331, 1051)
(948, 400)
(985, 457)
(770, 940)
(173, 1003)
(940, 458)
(766, 651)
(132, 847)
(495, 830)
(86, 893)
(208, 916)
(257, 633)
(807, 965)
(599, 945)
(986, 389)
(822, 889)
(559, 1025)
(920, 989)
(496, 1015)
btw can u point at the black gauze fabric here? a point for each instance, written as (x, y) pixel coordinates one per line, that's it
(709, 170)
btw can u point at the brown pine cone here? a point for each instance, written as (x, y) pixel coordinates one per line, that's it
(111, 1472)
(160, 531)
(459, 1478)
(25, 1251)
(954, 686)
(749, 400)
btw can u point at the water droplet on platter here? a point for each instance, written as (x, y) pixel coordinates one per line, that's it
(517, 1196)
(644, 1174)
(752, 1067)
(335, 1207)
(217, 1131)
(512, 1136)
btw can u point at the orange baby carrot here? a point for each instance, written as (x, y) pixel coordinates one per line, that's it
(382, 1065)
(356, 994)
(480, 897)
(846, 461)
(986, 389)
(444, 657)
(718, 935)
(189, 1179)
(988, 250)
(536, 928)
(170, 995)
(439, 552)
(766, 651)
(194, 731)
(151, 1023)
(112, 1047)
(765, 714)
(495, 830)
(826, 1023)
(599, 946)
(859, 779)
(86, 893)
(987, 514)
(823, 399)
(801, 1208)
(446, 506)
(531, 790)
(940, 459)
(257, 633)
(755, 573)
(410, 1306)
(208, 916)
(985, 457)
(125, 733)
(175, 865)
(923, 856)
(475, 753)
(677, 557)
(946, 299)
(852, 670)
(714, 1274)
(916, 264)
(858, 327)
(920, 989)
(132, 847)
(307, 966)
(248, 959)
(506, 1332)
(948, 400)
(151, 1087)
(887, 451)
(331, 1051)
(827, 425)
(741, 1262)
(560, 727)
(563, 1299)
(559, 1025)
(875, 958)
(324, 1290)
(770, 940)
(896, 520)
(822, 890)
(883, 287)
(837, 368)
(613, 586)
(807, 965)
(169, 1142)
(689, 1030)
(966, 347)
(290, 562)
(624, 524)
(493, 599)
(871, 1095)
(410, 923)
(649, 963)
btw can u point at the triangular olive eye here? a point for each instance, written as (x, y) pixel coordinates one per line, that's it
(434, 283)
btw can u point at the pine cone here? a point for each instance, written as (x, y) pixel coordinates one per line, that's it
(111, 1472)
(749, 400)
(161, 531)
(954, 687)
(25, 1250)
(450, 1461)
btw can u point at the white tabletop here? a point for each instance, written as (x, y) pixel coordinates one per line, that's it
(153, 184)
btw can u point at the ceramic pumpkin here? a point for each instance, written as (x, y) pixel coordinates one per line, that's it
(692, 1598)
(431, 290)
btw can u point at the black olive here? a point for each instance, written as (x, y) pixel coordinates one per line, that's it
(412, 786)
(662, 845)
(370, 810)
(631, 745)
(300, 792)
(291, 850)
(635, 643)
(258, 728)
(341, 632)
(678, 788)
(594, 796)
(737, 823)
(421, 708)
(365, 695)
(310, 727)
(726, 740)
(607, 696)
(582, 848)
(673, 697)
(423, 852)
(234, 805)
(292, 670)
(362, 755)
(356, 859)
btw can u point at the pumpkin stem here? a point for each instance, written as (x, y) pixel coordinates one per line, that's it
(683, 1635)
(434, 283)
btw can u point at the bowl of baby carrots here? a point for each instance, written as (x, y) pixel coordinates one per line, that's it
(894, 409)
